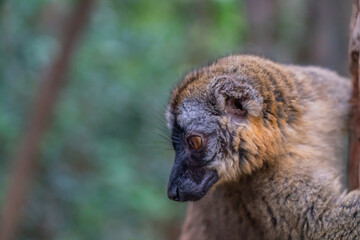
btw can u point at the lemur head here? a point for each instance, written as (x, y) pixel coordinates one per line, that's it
(227, 121)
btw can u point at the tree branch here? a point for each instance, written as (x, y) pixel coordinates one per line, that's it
(354, 135)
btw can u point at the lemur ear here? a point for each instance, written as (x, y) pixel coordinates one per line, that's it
(236, 107)
(236, 97)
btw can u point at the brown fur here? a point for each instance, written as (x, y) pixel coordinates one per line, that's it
(285, 181)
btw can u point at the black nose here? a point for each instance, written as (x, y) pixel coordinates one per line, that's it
(173, 193)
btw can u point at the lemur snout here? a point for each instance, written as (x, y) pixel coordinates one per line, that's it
(173, 193)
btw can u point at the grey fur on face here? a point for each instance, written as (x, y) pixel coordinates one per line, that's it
(194, 117)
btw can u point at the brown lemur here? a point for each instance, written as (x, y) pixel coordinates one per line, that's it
(258, 149)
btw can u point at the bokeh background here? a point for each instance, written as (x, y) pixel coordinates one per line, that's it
(104, 162)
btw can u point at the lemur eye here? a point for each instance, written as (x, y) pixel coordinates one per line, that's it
(194, 142)
(235, 106)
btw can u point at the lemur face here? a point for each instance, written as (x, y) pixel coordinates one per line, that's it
(224, 124)
(196, 145)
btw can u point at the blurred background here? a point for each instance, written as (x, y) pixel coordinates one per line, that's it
(104, 161)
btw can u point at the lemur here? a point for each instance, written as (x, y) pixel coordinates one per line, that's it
(258, 148)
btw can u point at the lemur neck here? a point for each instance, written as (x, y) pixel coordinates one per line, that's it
(269, 201)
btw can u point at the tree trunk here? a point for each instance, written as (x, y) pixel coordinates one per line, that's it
(354, 135)
(25, 161)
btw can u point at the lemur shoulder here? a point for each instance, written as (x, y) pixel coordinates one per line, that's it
(258, 149)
